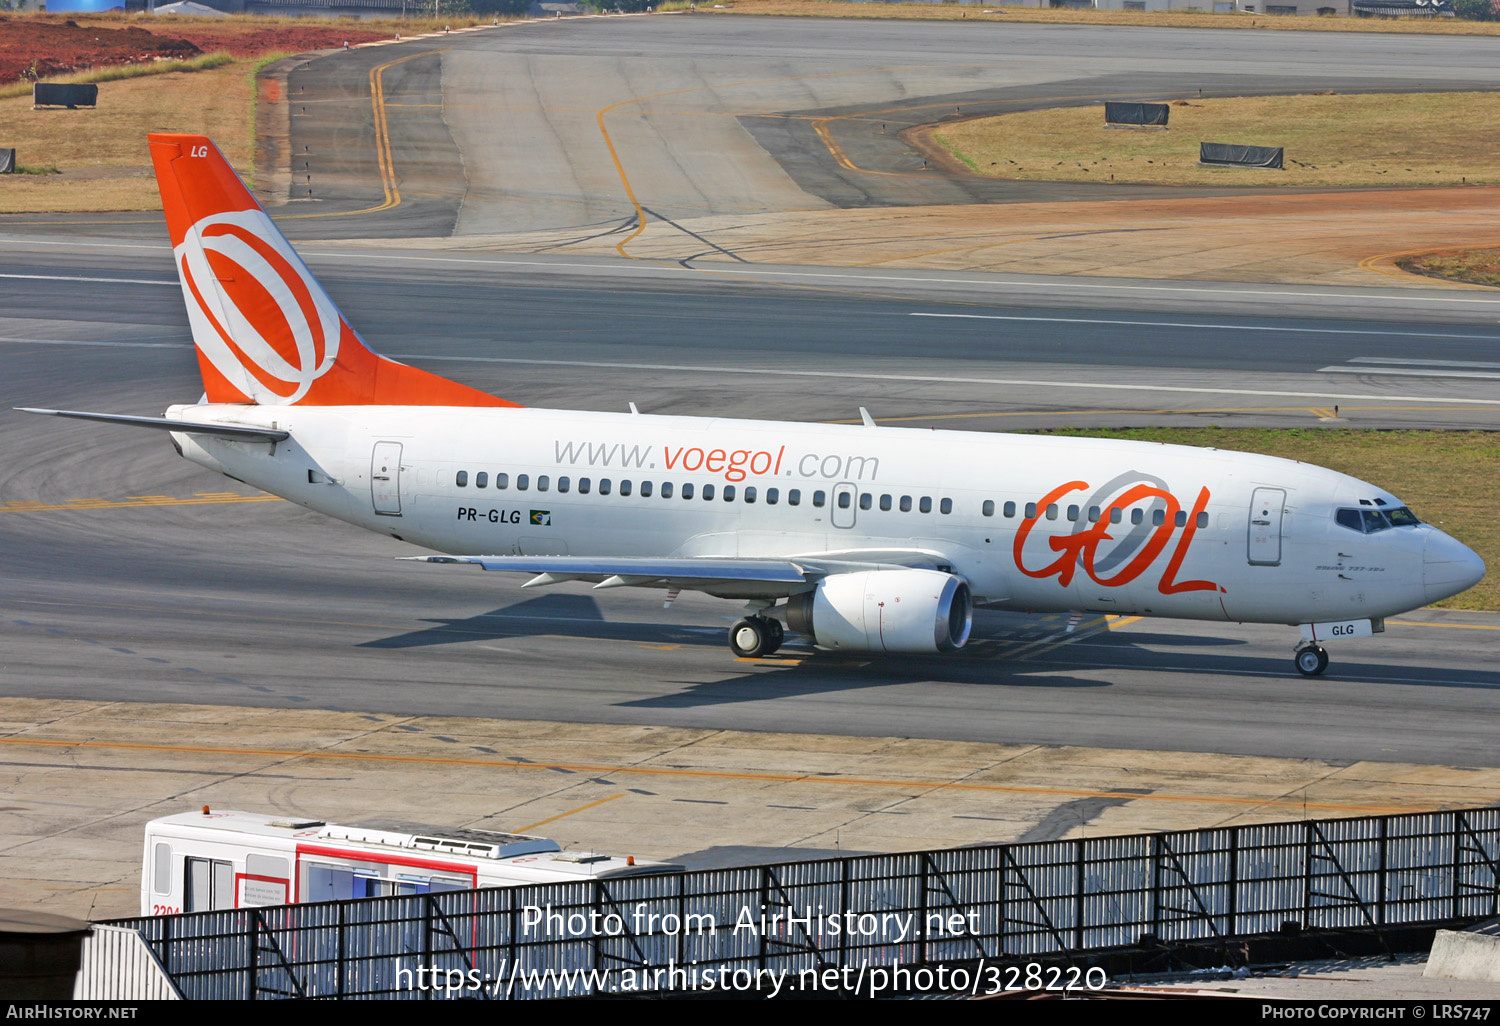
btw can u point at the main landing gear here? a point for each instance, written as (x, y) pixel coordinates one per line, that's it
(755, 636)
(1311, 660)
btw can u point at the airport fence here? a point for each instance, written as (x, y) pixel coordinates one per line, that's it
(1000, 904)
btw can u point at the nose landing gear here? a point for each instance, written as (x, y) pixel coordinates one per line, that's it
(1311, 660)
(755, 636)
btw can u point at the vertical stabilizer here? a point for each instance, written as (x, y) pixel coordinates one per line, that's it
(265, 330)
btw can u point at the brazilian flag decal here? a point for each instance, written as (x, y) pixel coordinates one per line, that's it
(541, 518)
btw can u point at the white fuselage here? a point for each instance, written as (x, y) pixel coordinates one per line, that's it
(1031, 522)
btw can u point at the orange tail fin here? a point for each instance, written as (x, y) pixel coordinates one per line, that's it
(265, 330)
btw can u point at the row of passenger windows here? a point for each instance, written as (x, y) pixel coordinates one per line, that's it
(666, 489)
(1093, 513)
(773, 496)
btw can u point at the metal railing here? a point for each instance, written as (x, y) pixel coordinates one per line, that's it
(1002, 903)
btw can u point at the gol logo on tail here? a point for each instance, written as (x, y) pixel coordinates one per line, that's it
(1082, 548)
(257, 314)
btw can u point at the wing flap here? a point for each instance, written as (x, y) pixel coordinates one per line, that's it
(688, 572)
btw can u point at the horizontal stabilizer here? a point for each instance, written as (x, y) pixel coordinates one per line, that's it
(162, 423)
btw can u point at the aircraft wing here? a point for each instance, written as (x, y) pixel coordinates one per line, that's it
(696, 573)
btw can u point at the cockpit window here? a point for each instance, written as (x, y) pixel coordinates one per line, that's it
(1368, 521)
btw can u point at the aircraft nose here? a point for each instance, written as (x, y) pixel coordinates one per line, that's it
(1448, 567)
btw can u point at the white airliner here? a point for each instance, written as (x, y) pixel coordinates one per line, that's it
(867, 539)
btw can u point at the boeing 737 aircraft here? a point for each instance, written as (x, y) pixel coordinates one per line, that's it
(868, 539)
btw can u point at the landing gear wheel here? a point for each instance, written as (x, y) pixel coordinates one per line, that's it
(1311, 661)
(777, 633)
(750, 638)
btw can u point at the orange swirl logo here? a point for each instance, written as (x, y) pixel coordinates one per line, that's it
(257, 314)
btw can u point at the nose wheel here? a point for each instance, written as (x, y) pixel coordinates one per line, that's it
(755, 636)
(1311, 660)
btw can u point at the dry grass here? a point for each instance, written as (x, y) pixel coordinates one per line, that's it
(1447, 477)
(1476, 266)
(101, 153)
(118, 72)
(1155, 19)
(1330, 140)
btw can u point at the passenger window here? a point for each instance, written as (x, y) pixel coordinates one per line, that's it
(481, 479)
(1093, 514)
(604, 486)
(1010, 509)
(624, 487)
(563, 484)
(794, 498)
(885, 503)
(772, 495)
(666, 489)
(866, 500)
(1030, 510)
(502, 481)
(988, 509)
(1181, 518)
(844, 500)
(645, 489)
(708, 491)
(1073, 513)
(585, 485)
(946, 506)
(461, 479)
(1137, 515)
(906, 503)
(1116, 514)
(1203, 519)
(1052, 511)
(542, 482)
(522, 481)
(1158, 517)
(729, 493)
(926, 504)
(687, 490)
(750, 494)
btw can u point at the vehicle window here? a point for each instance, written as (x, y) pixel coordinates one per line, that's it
(885, 503)
(750, 494)
(729, 493)
(794, 497)
(1010, 509)
(542, 482)
(461, 479)
(1351, 519)
(773, 495)
(1203, 519)
(666, 489)
(585, 485)
(926, 504)
(645, 489)
(523, 481)
(843, 500)
(687, 490)
(1030, 510)
(988, 509)
(1073, 513)
(1116, 514)
(946, 506)
(1402, 517)
(481, 479)
(1374, 520)
(502, 481)
(906, 503)
(708, 491)
(563, 484)
(1093, 514)
(866, 500)
(624, 487)
(604, 486)
(1137, 515)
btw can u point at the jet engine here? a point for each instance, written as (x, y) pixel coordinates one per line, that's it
(885, 611)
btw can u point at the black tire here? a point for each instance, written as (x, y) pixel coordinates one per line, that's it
(776, 634)
(1311, 661)
(749, 637)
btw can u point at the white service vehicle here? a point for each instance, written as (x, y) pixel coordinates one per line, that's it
(200, 861)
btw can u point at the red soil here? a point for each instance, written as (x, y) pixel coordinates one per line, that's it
(34, 46)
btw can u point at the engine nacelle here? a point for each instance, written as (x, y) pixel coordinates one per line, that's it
(885, 611)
